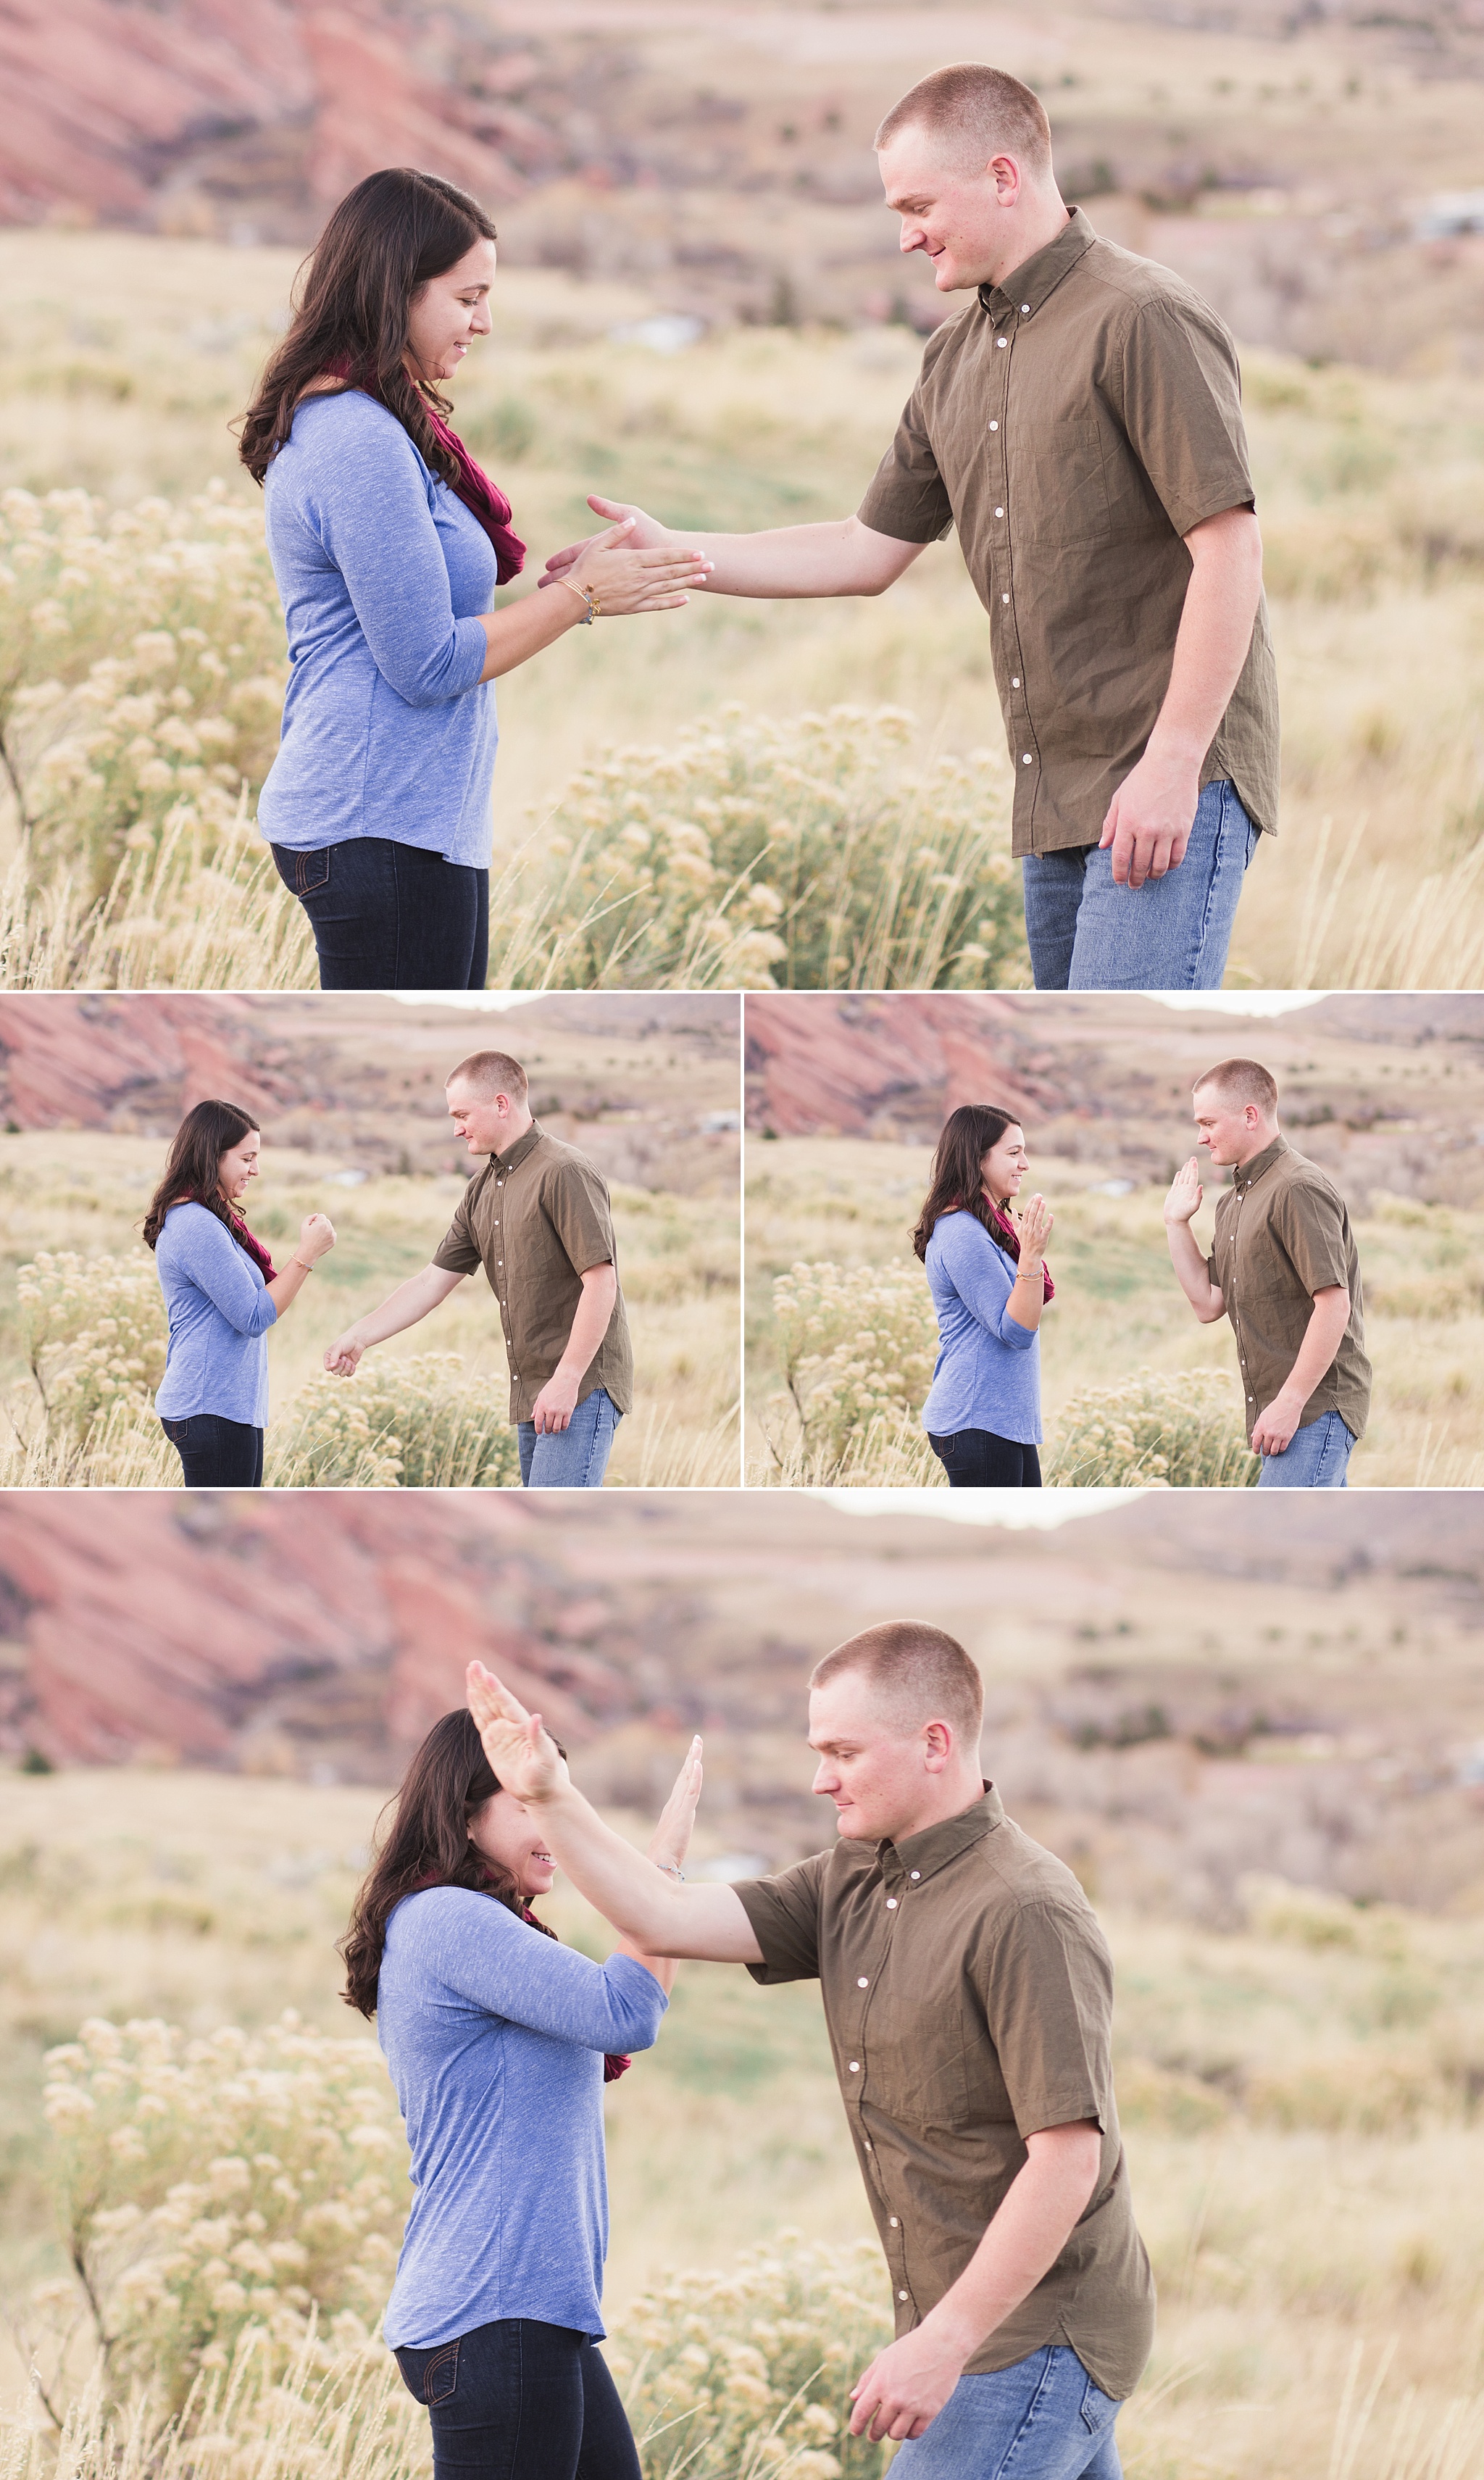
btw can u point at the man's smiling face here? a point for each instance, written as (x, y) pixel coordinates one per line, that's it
(954, 216)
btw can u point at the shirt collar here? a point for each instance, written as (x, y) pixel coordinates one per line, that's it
(923, 1855)
(522, 1146)
(1247, 1172)
(1029, 286)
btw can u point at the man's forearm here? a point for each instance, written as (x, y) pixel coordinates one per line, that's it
(591, 1321)
(1192, 1273)
(1323, 1337)
(842, 557)
(1214, 635)
(650, 1909)
(401, 1308)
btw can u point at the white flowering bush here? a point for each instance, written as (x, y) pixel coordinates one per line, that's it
(144, 654)
(205, 2187)
(93, 1332)
(1181, 1432)
(422, 1423)
(800, 854)
(857, 1348)
(733, 2376)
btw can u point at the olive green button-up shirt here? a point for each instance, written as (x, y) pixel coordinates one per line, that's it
(537, 1218)
(968, 1994)
(1283, 1233)
(1075, 423)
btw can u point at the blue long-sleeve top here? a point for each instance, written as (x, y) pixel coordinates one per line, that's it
(988, 1374)
(220, 1313)
(495, 2036)
(387, 730)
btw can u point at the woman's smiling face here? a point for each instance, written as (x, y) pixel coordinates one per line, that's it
(237, 1166)
(448, 312)
(1005, 1166)
(510, 1834)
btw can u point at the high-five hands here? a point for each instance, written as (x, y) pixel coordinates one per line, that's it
(671, 1839)
(525, 1759)
(632, 566)
(1184, 1201)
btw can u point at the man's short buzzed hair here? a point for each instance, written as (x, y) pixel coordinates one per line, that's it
(490, 1072)
(978, 112)
(918, 1673)
(1242, 1081)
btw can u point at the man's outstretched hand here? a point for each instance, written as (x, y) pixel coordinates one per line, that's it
(523, 1755)
(646, 535)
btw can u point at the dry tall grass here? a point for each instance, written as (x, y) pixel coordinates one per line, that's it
(1370, 491)
(443, 1386)
(1117, 1312)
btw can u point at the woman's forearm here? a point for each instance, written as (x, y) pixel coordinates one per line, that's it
(523, 627)
(1027, 1298)
(288, 1284)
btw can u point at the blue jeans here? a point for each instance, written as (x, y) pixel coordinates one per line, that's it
(1315, 1457)
(1171, 934)
(576, 1458)
(520, 2400)
(1041, 2420)
(390, 916)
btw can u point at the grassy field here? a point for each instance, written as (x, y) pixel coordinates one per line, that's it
(1295, 2097)
(677, 1254)
(852, 1202)
(1370, 490)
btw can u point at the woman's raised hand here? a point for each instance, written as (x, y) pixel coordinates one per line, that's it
(1036, 1225)
(522, 1752)
(625, 580)
(316, 1237)
(671, 1839)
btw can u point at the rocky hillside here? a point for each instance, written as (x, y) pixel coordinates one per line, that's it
(1387, 1092)
(718, 152)
(1177, 1691)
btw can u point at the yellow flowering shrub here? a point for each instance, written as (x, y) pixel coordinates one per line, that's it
(1172, 1431)
(858, 1349)
(93, 1332)
(734, 2376)
(143, 653)
(416, 1424)
(796, 854)
(206, 2187)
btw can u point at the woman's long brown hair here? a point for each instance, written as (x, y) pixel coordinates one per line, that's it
(956, 1183)
(192, 1175)
(391, 235)
(426, 1843)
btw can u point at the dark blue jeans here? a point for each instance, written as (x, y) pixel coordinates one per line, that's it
(978, 1459)
(389, 916)
(215, 1453)
(520, 2400)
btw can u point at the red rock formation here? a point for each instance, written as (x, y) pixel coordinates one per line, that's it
(834, 1064)
(70, 1061)
(373, 109)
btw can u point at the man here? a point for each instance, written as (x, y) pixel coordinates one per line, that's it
(1285, 1270)
(537, 1218)
(1080, 422)
(968, 1992)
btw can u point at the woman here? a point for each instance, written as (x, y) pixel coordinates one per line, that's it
(221, 1294)
(989, 1282)
(388, 543)
(496, 2038)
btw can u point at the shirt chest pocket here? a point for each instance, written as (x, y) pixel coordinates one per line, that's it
(1058, 482)
(929, 2059)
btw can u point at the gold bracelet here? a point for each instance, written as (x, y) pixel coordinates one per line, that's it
(299, 1261)
(594, 606)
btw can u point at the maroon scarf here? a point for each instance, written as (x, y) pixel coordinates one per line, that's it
(254, 1248)
(487, 505)
(1008, 1238)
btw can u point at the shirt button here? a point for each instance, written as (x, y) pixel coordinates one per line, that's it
(916, 1874)
(1000, 341)
(892, 1903)
(999, 512)
(901, 2295)
(855, 2066)
(1026, 760)
(1025, 309)
(867, 2143)
(994, 425)
(1004, 598)
(863, 1982)
(893, 2222)
(1016, 683)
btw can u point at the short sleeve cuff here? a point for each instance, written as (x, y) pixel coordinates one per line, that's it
(471, 650)
(1018, 1338)
(785, 1954)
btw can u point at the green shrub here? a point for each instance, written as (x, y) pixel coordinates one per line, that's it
(797, 854)
(729, 2376)
(858, 1350)
(414, 1424)
(94, 1333)
(1181, 1432)
(209, 2188)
